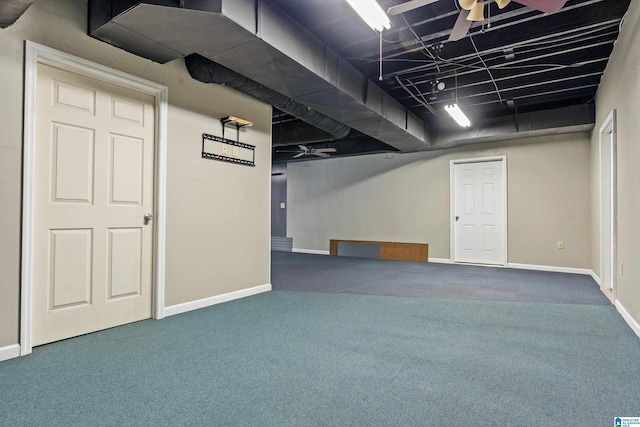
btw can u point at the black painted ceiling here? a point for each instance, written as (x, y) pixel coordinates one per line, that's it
(518, 60)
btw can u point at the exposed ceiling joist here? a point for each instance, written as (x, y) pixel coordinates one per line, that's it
(524, 64)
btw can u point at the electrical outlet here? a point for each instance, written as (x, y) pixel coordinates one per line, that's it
(299, 233)
(621, 269)
(560, 244)
(283, 205)
(236, 152)
(224, 150)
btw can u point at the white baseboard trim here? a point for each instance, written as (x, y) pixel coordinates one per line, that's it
(218, 299)
(595, 277)
(628, 318)
(550, 268)
(440, 260)
(310, 251)
(9, 352)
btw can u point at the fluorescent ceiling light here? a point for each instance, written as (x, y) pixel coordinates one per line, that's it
(457, 114)
(371, 12)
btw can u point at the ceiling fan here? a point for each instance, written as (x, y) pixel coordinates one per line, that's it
(473, 10)
(304, 150)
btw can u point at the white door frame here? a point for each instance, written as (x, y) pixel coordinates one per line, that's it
(452, 188)
(38, 54)
(608, 130)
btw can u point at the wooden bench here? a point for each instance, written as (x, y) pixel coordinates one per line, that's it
(390, 250)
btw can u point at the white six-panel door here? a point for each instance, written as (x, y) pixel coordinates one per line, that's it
(479, 212)
(608, 209)
(94, 170)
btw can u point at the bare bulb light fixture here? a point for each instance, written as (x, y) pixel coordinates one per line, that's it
(456, 113)
(371, 12)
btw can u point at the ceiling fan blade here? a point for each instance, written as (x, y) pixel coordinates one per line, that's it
(407, 6)
(325, 150)
(304, 148)
(315, 153)
(461, 27)
(467, 4)
(297, 156)
(547, 6)
(477, 12)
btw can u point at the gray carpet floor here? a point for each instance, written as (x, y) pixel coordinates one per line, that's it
(337, 359)
(318, 273)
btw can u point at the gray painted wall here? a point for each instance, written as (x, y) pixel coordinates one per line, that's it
(217, 213)
(406, 198)
(620, 90)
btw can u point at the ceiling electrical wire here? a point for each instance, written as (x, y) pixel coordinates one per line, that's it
(428, 52)
(421, 94)
(486, 68)
(522, 66)
(551, 66)
(526, 43)
(521, 11)
(521, 53)
(435, 66)
(565, 38)
(421, 102)
(557, 43)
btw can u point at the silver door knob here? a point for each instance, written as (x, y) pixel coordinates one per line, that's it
(148, 217)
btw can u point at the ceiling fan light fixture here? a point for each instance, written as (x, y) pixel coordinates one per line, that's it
(502, 3)
(458, 115)
(371, 12)
(468, 4)
(477, 13)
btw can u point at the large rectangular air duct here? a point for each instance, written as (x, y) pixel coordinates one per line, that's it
(258, 40)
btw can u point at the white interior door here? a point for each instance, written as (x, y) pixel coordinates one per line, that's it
(608, 204)
(479, 212)
(94, 170)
